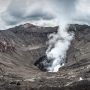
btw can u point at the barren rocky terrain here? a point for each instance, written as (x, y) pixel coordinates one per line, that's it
(22, 46)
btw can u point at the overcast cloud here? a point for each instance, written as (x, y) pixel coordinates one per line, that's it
(13, 12)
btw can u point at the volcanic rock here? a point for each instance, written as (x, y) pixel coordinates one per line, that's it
(23, 47)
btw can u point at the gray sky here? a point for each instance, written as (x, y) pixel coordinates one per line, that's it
(4, 4)
(13, 12)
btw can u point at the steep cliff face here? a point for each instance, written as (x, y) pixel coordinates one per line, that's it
(80, 46)
(21, 46)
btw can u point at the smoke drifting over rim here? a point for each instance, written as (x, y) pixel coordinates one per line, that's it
(48, 12)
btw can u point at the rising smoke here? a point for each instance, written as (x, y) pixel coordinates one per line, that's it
(49, 12)
(58, 46)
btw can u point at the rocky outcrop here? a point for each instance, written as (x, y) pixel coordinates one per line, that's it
(21, 46)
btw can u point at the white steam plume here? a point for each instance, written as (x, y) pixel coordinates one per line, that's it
(58, 46)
